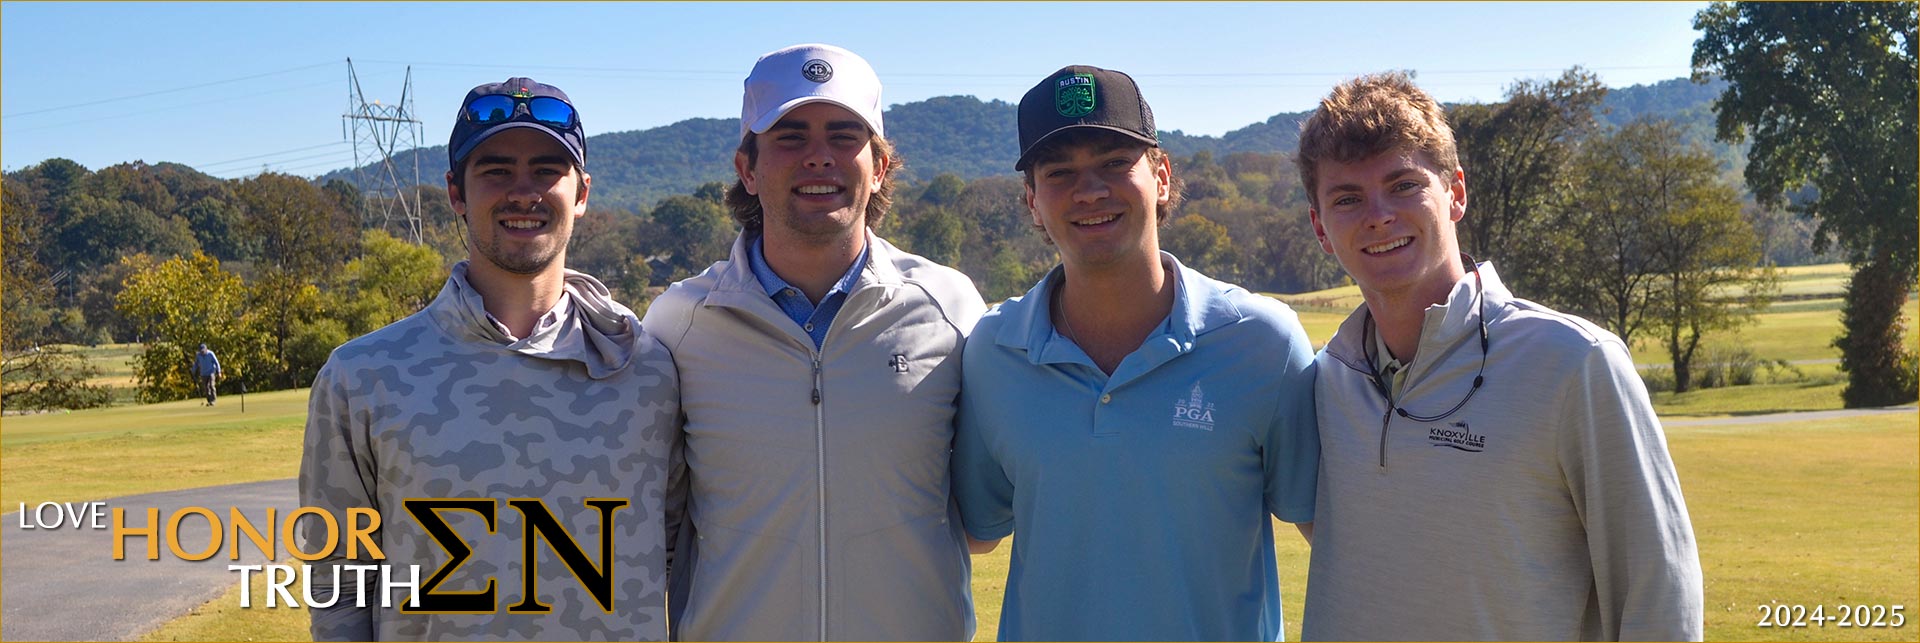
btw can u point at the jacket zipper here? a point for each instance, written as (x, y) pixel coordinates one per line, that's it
(820, 476)
(1385, 419)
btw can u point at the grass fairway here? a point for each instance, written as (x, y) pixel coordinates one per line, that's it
(103, 453)
(1820, 392)
(224, 620)
(115, 362)
(1818, 513)
(1813, 513)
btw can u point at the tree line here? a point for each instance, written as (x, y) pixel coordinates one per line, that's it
(1635, 223)
(273, 271)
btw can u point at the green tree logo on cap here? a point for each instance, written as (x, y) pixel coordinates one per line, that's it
(1073, 95)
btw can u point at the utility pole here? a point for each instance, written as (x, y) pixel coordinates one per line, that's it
(380, 133)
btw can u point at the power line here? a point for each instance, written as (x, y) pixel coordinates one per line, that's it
(163, 91)
(256, 156)
(271, 167)
(302, 158)
(162, 108)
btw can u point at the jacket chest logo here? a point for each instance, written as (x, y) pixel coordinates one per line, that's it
(1457, 436)
(1193, 411)
(899, 363)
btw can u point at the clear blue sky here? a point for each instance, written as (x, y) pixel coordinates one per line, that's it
(232, 87)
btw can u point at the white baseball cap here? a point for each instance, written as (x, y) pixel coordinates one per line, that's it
(787, 78)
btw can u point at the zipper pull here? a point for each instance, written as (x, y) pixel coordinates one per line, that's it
(816, 382)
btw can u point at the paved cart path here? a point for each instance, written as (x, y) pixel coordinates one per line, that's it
(64, 585)
(1796, 416)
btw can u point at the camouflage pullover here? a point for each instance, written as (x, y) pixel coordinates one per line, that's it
(444, 404)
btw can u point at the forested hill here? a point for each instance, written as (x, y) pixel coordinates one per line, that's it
(970, 138)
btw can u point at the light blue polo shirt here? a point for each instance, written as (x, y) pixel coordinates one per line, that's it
(813, 319)
(1139, 501)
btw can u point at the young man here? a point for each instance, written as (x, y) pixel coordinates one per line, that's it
(819, 366)
(1132, 421)
(521, 380)
(206, 369)
(1491, 469)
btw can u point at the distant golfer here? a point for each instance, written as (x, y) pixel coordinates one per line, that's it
(206, 371)
(1490, 469)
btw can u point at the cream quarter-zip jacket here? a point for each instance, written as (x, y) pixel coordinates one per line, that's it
(1545, 509)
(816, 482)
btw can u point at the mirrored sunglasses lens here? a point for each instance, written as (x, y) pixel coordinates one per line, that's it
(553, 111)
(490, 109)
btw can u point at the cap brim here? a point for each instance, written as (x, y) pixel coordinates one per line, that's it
(1026, 156)
(475, 140)
(766, 121)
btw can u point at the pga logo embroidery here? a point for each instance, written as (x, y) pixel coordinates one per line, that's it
(899, 363)
(1457, 436)
(1194, 412)
(817, 70)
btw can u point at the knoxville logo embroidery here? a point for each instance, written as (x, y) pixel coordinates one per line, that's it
(1457, 436)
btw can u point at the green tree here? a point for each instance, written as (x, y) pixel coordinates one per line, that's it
(305, 236)
(1515, 154)
(1704, 249)
(390, 280)
(284, 308)
(700, 233)
(33, 376)
(1826, 92)
(1656, 243)
(49, 377)
(96, 231)
(1200, 244)
(944, 189)
(24, 288)
(935, 233)
(1622, 186)
(632, 285)
(1008, 275)
(299, 227)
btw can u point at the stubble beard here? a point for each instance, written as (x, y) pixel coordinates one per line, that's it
(536, 257)
(824, 228)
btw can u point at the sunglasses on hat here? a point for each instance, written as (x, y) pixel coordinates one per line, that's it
(499, 108)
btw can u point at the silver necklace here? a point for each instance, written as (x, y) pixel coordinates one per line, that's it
(1066, 325)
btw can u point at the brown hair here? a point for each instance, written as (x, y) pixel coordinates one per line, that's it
(745, 206)
(1371, 115)
(1055, 148)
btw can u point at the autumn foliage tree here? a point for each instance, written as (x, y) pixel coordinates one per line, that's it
(180, 304)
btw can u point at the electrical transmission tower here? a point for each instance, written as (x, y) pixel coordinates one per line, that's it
(380, 133)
